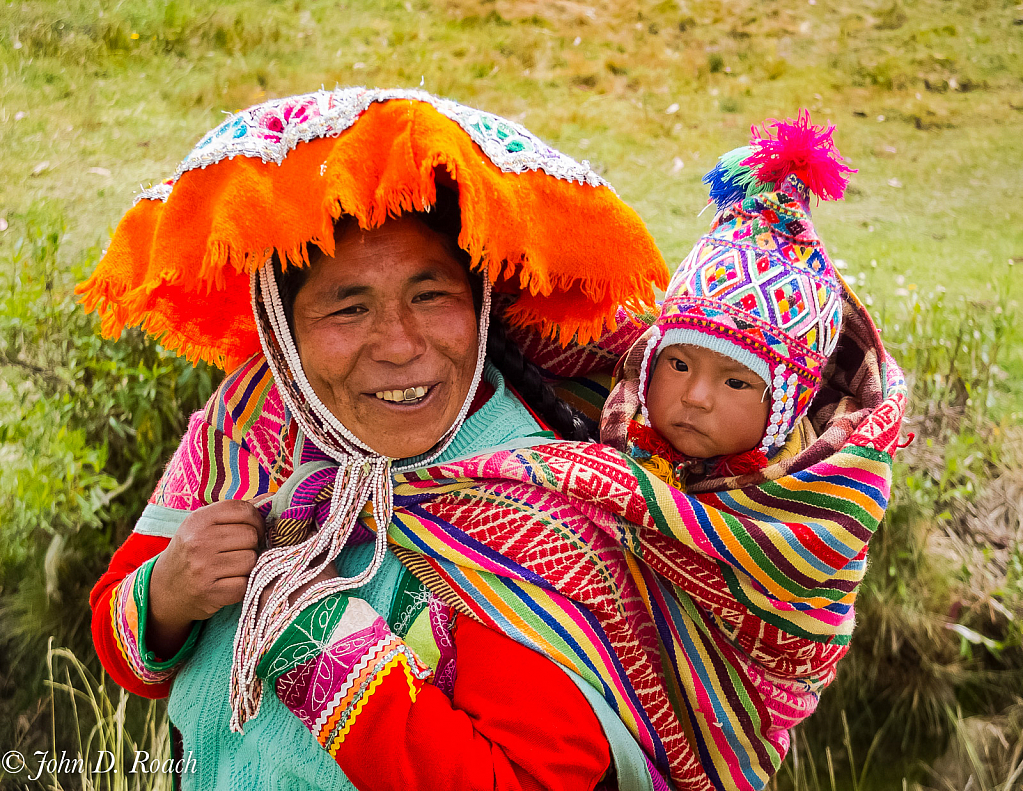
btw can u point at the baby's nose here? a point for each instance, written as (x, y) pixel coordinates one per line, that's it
(698, 394)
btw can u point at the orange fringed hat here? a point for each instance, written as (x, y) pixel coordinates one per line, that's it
(275, 177)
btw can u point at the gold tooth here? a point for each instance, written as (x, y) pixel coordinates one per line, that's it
(408, 394)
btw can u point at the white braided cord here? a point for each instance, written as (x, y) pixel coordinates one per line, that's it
(363, 477)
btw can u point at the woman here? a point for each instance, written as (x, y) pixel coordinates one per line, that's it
(687, 633)
(390, 326)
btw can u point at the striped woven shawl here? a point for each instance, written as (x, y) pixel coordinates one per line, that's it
(709, 620)
(709, 623)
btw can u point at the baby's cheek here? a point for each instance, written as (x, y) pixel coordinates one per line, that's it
(660, 393)
(748, 422)
(657, 408)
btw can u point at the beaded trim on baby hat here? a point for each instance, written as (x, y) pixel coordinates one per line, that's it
(760, 288)
(363, 479)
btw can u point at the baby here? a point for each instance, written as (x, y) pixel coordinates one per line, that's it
(721, 384)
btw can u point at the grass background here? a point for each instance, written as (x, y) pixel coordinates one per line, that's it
(99, 98)
(928, 97)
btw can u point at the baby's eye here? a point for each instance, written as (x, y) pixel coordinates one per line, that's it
(736, 384)
(679, 365)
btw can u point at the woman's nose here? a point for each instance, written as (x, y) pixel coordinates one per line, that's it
(398, 339)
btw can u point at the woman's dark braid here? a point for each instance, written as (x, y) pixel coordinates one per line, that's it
(528, 380)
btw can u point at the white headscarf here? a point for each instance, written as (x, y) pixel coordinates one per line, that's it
(363, 477)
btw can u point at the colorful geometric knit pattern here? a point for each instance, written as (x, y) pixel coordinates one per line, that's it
(760, 282)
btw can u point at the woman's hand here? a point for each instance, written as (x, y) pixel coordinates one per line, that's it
(205, 567)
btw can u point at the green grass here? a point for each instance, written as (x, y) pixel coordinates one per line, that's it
(115, 743)
(94, 97)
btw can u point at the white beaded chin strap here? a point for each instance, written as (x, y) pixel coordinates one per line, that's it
(363, 477)
(783, 408)
(651, 344)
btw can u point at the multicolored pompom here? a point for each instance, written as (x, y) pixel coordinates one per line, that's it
(776, 151)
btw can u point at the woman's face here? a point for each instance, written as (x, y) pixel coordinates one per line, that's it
(390, 315)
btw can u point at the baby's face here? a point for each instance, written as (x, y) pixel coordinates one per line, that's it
(706, 404)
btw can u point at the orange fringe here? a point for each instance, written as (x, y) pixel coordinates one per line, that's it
(180, 269)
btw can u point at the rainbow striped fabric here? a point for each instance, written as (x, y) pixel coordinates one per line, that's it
(710, 623)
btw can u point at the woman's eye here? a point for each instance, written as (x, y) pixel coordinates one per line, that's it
(427, 296)
(679, 365)
(350, 310)
(736, 384)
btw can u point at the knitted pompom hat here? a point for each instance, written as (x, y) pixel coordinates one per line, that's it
(759, 288)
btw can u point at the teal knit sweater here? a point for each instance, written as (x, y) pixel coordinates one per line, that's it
(277, 752)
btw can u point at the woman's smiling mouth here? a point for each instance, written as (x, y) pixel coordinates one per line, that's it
(408, 396)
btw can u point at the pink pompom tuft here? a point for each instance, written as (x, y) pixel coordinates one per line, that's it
(797, 147)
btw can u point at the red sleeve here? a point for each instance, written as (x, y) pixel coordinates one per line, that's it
(190, 481)
(515, 721)
(135, 551)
